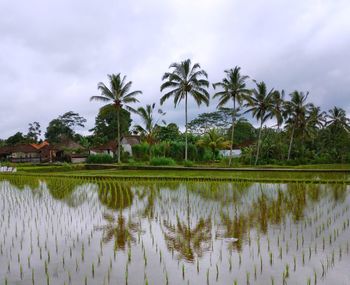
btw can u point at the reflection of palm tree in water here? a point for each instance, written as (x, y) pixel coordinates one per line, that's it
(189, 242)
(234, 228)
(118, 229)
(117, 196)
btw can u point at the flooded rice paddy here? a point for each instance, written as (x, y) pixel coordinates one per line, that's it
(71, 231)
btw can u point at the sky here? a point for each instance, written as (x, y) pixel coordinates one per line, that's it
(53, 53)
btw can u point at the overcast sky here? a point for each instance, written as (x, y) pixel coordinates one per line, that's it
(53, 53)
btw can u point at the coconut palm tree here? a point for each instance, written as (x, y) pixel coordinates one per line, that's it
(260, 104)
(337, 117)
(118, 95)
(315, 120)
(296, 110)
(233, 90)
(150, 123)
(278, 107)
(184, 80)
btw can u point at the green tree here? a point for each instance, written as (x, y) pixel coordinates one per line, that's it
(278, 107)
(260, 104)
(233, 88)
(244, 132)
(34, 132)
(106, 124)
(63, 126)
(149, 123)
(215, 141)
(118, 95)
(167, 133)
(17, 138)
(206, 121)
(184, 80)
(336, 118)
(297, 110)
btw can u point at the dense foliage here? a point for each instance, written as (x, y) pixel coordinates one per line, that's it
(289, 130)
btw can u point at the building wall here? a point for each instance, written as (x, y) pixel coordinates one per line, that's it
(127, 148)
(78, 159)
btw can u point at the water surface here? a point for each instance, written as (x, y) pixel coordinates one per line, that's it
(70, 231)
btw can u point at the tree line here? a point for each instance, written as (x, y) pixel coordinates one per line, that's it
(291, 129)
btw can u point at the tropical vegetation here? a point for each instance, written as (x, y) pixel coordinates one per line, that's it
(267, 126)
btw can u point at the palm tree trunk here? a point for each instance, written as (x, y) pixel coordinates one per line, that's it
(290, 143)
(118, 135)
(232, 130)
(259, 142)
(186, 126)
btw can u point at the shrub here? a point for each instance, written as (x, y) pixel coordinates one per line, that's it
(188, 163)
(157, 161)
(100, 158)
(140, 152)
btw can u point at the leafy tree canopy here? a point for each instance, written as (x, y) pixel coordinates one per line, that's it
(169, 132)
(220, 119)
(34, 132)
(106, 124)
(63, 126)
(17, 138)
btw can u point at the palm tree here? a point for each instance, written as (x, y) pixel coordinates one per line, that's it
(278, 107)
(296, 110)
(184, 80)
(337, 118)
(233, 88)
(315, 120)
(117, 95)
(150, 123)
(214, 141)
(260, 104)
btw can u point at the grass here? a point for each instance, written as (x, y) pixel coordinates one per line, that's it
(258, 176)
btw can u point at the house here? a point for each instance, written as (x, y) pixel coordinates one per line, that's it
(128, 141)
(33, 153)
(68, 150)
(226, 153)
(109, 148)
(44, 152)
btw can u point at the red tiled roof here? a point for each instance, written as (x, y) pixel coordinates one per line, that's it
(40, 145)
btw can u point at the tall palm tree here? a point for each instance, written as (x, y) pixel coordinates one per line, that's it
(233, 88)
(278, 107)
(117, 95)
(337, 117)
(297, 110)
(315, 120)
(260, 104)
(184, 80)
(150, 123)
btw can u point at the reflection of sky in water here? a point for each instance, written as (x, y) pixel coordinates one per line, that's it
(175, 233)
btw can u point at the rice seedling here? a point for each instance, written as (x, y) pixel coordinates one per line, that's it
(95, 224)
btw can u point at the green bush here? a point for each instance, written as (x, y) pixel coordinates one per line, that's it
(188, 163)
(100, 158)
(157, 161)
(140, 152)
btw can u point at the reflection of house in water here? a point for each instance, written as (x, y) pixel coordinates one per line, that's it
(66, 150)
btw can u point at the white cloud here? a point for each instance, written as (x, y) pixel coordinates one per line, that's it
(53, 53)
